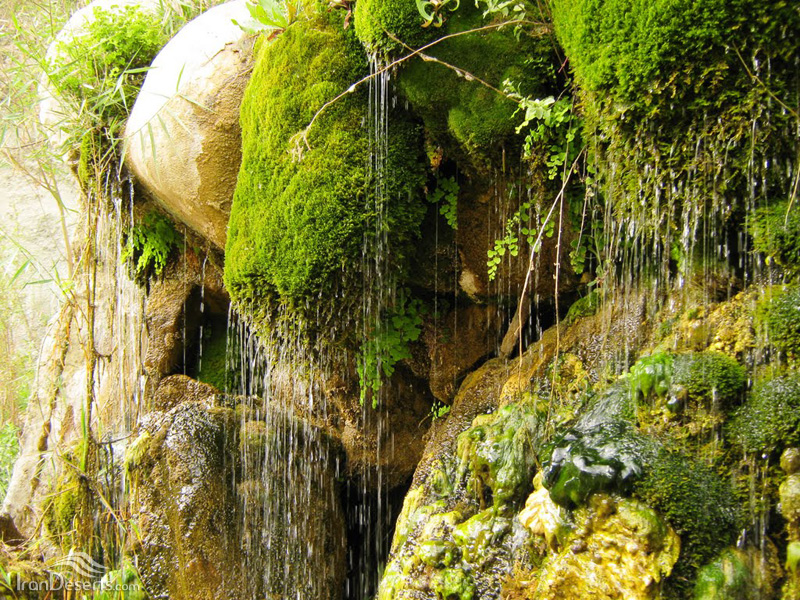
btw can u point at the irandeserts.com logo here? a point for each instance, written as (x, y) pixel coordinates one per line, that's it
(77, 571)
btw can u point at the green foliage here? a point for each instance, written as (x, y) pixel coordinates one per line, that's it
(769, 420)
(439, 410)
(432, 11)
(553, 129)
(9, 449)
(518, 224)
(726, 577)
(776, 234)
(149, 244)
(696, 503)
(388, 345)
(709, 376)
(446, 195)
(271, 15)
(583, 307)
(297, 227)
(779, 313)
(99, 72)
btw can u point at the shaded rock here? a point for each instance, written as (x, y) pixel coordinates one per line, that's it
(183, 137)
(461, 339)
(213, 525)
(620, 549)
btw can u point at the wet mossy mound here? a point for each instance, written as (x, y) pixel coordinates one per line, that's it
(305, 198)
(470, 121)
(769, 420)
(696, 502)
(778, 315)
(669, 87)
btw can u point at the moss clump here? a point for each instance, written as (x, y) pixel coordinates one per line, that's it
(727, 577)
(498, 452)
(709, 377)
(770, 417)
(213, 368)
(635, 48)
(297, 226)
(776, 234)
(668, 87)
(470, 121)
(60, 514)
(583, 307)
(779, 314)
(696, 503)
(377, 22)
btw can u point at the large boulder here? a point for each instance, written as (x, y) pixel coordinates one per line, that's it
(183, 137)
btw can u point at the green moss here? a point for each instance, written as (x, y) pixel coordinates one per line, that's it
(470, 121)
(60, 513)
(634, 48)
(696, 503)
(378, 21)
(583, 307)
(779, 314)
(727, 577)
(297, 227)
(498, 453)
(453, 584)
(608, 457)
(709, 377)
(213, 366)
(137, 450)
(776, 234)
(770, 417)
(668, 89)
(479, 535)
(122, 584)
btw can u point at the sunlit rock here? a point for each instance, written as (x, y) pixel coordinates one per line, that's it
(183, 140)
(620, 549)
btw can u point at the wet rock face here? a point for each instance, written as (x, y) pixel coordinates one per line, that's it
(620, 549)
(183, 139)
(200, 498)
(183, 502)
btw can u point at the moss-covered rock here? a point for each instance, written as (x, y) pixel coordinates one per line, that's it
(709, 377)
(776, 234)
(297, 224)
(770, 417)
(779, 314)
(696, 503)
(727, 577)
(620, 549)
(472, 122)
(386, 27)
(607, 458)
